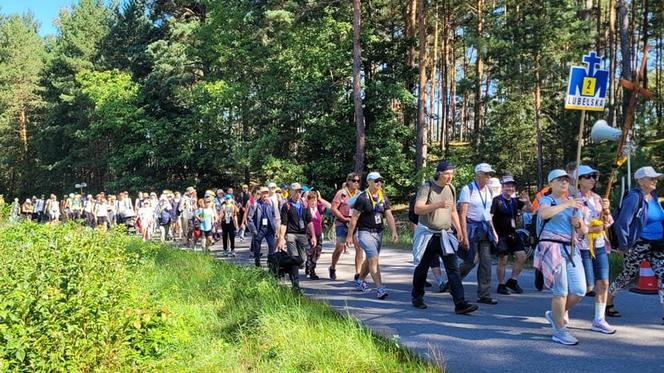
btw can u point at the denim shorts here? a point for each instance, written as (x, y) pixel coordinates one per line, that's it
(342, 232)
(370, 242)
(570, 279)
(596, 269)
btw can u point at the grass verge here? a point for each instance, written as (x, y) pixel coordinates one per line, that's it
(75, 299)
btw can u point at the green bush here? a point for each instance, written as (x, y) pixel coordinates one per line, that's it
(69, 301)
(75, 299)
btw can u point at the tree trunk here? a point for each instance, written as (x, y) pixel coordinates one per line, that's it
(644, 38)
(357, 90)
(479, 72)
(421, 145)
(451, 123)
(612, 63)
(444, 110)
(538, 123)
(434, 81)
(625, 50)
(410, 16)
(23, 131)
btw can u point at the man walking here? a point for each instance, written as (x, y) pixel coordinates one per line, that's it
(475, 215)
(295, 222)
(504, 211)
(370, 209)
(436, 206)
(263, 222)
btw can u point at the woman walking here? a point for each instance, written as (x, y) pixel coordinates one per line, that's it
(640, 228)
(559, 218)
(317, 207)
(594, 251)
(229, 223)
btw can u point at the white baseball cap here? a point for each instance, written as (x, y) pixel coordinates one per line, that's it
(484, 167)
(374, 176)
(647, 172)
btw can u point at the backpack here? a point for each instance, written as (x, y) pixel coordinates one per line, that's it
(612, 235)
(412, 216)
(353, 199)
(533, 232)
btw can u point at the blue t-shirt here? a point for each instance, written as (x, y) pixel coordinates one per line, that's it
(653, 229)
(206, 216)
(560, 223)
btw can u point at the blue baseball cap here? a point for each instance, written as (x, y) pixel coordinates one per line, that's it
(228, 196)
(584, 170)
(556, 174)
(374, 176)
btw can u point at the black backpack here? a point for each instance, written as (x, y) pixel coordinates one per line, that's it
(412, 216)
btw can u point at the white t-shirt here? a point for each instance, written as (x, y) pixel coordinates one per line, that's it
(479, 201)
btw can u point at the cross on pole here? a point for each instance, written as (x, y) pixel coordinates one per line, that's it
(592, 60)
(637, 90)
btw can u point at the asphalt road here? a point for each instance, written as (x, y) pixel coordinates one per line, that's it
(511, 336)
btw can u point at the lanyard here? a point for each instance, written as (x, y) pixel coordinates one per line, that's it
(377, 201)
(298, 207)
(510, 208)
(479, 191)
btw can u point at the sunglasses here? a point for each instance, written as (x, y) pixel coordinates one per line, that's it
(354, 180)
(378, 181)
(590, 176)
(562, 179)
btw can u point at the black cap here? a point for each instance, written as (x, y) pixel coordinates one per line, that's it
(444, 166)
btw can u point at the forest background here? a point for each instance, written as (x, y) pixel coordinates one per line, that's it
(150, 94)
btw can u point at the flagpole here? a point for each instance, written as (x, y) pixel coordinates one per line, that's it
(578, 149)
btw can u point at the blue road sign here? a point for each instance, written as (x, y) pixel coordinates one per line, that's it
(586, 89)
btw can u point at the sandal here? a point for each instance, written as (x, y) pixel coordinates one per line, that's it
(611, 311)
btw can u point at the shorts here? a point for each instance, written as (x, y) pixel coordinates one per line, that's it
(370, 242)
(509, 244)
(342, 232)
(206, 233)
(101, 220)
(596, 269)
(570, 279)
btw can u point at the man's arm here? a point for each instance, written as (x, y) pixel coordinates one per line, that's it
(392, 224)
(463, 214)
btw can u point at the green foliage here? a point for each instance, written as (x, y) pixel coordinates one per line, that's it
(74, 299)
(71, 301)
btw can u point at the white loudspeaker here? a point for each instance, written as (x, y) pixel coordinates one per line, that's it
(602, 131)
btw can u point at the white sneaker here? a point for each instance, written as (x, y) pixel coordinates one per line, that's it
(563, 336)
(549, 317)
(232, 254)
(364, 287)
(602, 326)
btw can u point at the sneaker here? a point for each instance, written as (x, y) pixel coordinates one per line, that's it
(549, 317)
(502, 289)
(419, 303)
(513, 285)
(381, 293)
(611, 311)
(333, 274)
(364, 287)
(591, 293)
(602, 326)
(225, 253)
(232, 254)
(357, 275)
(487, 300)
(444, 288)
(563, 336)
(313, 276)
(465, 308)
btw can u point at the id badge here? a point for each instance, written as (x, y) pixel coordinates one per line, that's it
(301, 224)
(264, 222)
(378, 218)
(513, 223)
